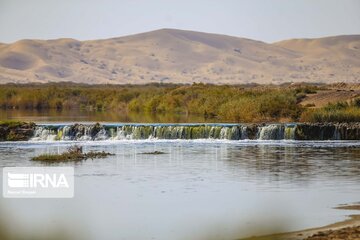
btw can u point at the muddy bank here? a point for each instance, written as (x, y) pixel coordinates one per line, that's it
(348, 233)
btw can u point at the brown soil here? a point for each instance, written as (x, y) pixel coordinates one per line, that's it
(348, 233)
(334, 93)
(349, 207)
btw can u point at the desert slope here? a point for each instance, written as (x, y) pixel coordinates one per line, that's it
(179, 56)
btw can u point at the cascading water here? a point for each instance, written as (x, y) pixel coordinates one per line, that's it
(83, 132)
(42, 133)
(289, 131)
(271, 132)
(243, 132)
(337, 135)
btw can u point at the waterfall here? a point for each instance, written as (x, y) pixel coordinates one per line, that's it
(81, 132)
(90, 132)
(65, 135)
(243, 132)
(230, 133)
(337, 134)
(101, 135)
(84, 133)
(271, 132)
(44, 134)
(289, 132)
(121, 134)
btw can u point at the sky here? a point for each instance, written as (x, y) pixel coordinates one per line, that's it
(265, 20)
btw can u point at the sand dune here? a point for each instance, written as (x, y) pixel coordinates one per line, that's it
(178, 56)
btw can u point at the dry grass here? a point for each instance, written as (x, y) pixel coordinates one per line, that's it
(225, 103)
(334, 112)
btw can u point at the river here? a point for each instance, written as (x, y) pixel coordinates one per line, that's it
(197, 189)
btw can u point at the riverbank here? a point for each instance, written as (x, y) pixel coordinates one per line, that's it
(348, 229)
(216, 103)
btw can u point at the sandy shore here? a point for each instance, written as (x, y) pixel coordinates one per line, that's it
(345, 230)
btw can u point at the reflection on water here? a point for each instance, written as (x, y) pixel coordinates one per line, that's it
(299, 165)
(199, 189)
(96, 116)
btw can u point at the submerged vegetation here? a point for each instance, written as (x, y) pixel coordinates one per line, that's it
(154, 153)
(73, 154)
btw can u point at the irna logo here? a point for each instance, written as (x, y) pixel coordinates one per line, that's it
(38, 182)
(34, 180)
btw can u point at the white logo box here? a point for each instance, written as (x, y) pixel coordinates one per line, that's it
(38, 182)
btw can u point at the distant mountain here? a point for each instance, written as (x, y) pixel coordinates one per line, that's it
(179, 56)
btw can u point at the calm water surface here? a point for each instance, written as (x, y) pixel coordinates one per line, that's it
(199, 189)
(78, 115)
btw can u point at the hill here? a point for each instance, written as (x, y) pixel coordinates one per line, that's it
(179, 56)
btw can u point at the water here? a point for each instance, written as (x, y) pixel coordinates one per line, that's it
(127, 131)
(198, 189)
(78, 115)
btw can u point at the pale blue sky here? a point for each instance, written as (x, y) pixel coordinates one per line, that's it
(266, 20)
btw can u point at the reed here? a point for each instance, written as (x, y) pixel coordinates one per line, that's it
(226, 103)
(336, 112)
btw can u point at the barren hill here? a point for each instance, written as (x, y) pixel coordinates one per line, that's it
(178, 56)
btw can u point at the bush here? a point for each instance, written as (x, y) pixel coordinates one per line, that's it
(326, 114)
(240, 110)
(226, 103)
